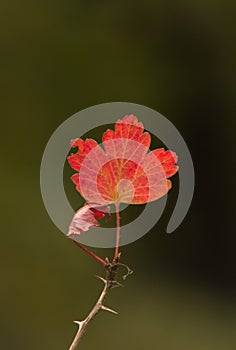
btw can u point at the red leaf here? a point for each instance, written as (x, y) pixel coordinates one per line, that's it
(126, 171)
(86, 217)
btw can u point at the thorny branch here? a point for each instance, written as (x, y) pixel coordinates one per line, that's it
(109, 283)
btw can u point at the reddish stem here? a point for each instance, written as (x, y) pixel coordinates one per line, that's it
(103, 262)
(117, 205)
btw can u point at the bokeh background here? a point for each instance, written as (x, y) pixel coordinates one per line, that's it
(177, 57)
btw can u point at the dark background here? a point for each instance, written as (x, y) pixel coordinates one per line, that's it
(178, 58)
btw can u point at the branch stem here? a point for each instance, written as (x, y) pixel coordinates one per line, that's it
(103, 262)
(109, 282)
(117, 205)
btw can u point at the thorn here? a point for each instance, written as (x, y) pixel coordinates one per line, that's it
(116, 284)
(109, 310)
(128, 274)
(102, 279)
(79, 323)
(129, 271)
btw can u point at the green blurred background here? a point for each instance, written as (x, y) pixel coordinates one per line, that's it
(176, 57)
